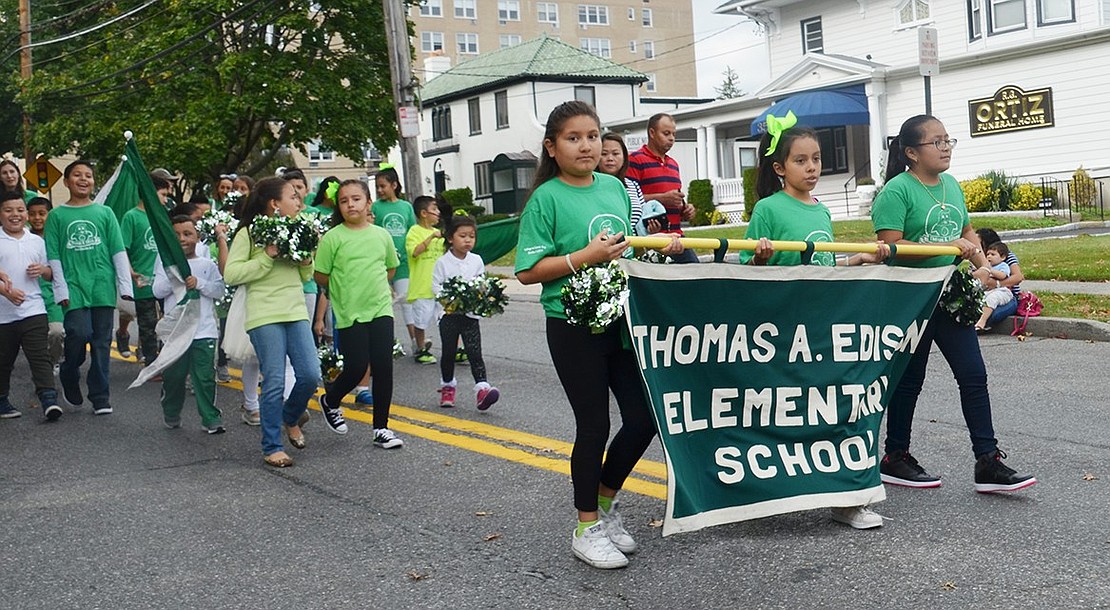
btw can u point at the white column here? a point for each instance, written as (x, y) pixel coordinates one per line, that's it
(713, 172)
(702, 154)
(876, 108)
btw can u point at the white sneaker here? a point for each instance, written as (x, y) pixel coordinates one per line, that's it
(859, 517)
(614, 528)
(386, 439)
(595, 548)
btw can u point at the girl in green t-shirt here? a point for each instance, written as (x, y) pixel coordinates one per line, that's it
(921, 203)
(592, 210)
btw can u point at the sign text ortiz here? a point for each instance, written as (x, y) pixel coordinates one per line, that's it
(1011, 109)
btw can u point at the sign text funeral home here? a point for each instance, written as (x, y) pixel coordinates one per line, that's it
(1011, 109)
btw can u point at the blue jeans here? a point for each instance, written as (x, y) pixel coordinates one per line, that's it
(960, 347)
(273, 343)
(87, 326)
(1003, 312)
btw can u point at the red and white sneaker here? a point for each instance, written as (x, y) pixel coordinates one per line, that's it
(447, 396)
(487, 396)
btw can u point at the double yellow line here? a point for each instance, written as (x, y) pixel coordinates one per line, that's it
(648, 478)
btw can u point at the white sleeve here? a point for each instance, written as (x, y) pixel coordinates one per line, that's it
(123, 274)
(212, 284)
(163, 288)
(439, 276)
(61, 288)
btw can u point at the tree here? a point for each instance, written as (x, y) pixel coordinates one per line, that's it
(730, 87)
(214, 86)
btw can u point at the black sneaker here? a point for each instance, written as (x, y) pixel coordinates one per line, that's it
(900, 468)
(52, 412)
(991, 475)
(333, 417)
(7, 410)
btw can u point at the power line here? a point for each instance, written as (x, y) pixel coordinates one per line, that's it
(90, 30)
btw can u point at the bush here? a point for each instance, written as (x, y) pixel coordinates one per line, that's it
(700, 196)
(750, 197)
(1082, 189)
(1026, 197)
(1003, 187)
(470, 210)
(484, 218)
(979, 195)
(459, 198)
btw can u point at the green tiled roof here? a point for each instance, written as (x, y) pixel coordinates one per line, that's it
(538, 59)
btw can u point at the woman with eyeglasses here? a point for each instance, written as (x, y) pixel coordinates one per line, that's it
(921, 203)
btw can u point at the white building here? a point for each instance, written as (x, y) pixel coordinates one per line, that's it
(1020, 85)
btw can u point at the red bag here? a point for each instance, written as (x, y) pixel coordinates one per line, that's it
(1028, 306)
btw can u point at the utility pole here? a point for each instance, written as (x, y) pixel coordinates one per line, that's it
(25, 72)
(400, 70)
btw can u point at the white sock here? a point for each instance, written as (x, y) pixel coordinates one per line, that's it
(481, 385)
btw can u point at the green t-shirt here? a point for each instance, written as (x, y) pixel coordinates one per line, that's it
(357, 261)
(321, 210)
(924, 214)
(782, 217)
(421, 267)
(141, 248)
(54, 311)
(559, 219)
(85, 238)
(29, 195)
(396, 217)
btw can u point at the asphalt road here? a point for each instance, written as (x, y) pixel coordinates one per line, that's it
(475, 512)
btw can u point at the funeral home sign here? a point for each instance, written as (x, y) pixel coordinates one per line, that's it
(1011, 109)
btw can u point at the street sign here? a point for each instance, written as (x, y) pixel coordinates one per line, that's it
(410, 121)
(928, 58)
(42, 174)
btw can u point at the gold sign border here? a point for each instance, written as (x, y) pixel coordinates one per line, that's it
(972, 103)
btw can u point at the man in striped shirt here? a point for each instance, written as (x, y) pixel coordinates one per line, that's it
(659, 179)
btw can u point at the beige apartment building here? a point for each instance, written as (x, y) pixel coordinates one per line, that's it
(655, 37)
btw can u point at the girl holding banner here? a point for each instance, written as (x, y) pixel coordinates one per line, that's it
(789, 167)
(920, 203)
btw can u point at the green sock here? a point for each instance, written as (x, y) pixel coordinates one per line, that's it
(605, 504)
(582, 525)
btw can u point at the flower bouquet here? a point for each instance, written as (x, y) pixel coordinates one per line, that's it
(482, 296)
(224, 304)
(206, 226)
(331, 363)
(231, 201)
(963, 297)
(296, 237)
(594, 297)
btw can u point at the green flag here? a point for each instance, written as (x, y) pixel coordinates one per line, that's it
(169, 250)
(121, 191)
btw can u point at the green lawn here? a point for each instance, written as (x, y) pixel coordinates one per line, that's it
(1084, 258)
(1087, 306)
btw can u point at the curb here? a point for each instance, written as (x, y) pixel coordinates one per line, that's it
(1072, 226)
(1077, 329)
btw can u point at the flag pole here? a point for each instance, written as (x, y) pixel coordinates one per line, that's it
(706, 243)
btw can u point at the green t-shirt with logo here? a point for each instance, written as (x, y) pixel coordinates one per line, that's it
(396, 217)
(85, 238)
(559, 219)
(924, 214)
(782, 217)
(357, 261)
(141, 248)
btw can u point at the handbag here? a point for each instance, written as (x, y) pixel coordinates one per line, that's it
(1029, 306)
(237, 345)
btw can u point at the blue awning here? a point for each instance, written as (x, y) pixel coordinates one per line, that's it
(827, 108)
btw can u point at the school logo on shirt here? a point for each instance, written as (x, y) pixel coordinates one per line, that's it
(821, 259)
(148, 241)
(611, 223)
(943, 223)
(82, 235)
(395, 224)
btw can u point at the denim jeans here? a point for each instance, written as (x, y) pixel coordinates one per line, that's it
(1003, 312)
(87, 326)
(960, 347)
(273, 343)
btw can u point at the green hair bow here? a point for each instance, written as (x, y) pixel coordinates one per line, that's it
(385, 166)
(332, 191)
(775, 127)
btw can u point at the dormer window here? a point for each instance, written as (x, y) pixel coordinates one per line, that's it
(813, 36)
(912, 12)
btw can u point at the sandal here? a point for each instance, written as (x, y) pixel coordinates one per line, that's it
(278, 459)
(297, 441)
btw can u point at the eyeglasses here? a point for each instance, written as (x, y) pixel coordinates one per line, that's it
(940, 144)
(231, 177)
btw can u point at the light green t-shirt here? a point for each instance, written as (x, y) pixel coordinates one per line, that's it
(357, 261)
(85, 238)
(421, 267)
(559, 219)
(141, 248)
(396, 217)
(924, 214)
(782, 217)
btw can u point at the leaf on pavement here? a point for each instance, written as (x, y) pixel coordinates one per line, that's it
(414, 575)
(948, 586)
(493, 536)
(1089, 477)
(483, 513)
(655, 523)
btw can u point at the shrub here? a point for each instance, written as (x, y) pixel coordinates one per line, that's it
(701, 197)
(979, 195)
(750, 198)
(1026, 197)
(1082, 189)
(1003, 187)
(484, 218)
(864, 180)
(459, 198)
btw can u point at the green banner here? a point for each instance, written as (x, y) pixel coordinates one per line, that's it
(768, 384)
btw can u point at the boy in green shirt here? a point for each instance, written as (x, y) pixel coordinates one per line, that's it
(142, 252)
(38, 209)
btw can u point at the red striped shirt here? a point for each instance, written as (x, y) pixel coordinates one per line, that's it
(657, 175)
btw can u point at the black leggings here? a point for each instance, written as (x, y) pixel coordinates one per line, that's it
(451, 327)
(589, 366)
(366, 344)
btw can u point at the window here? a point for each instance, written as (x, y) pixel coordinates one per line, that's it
(466, 44)
(649, 49)
(645, 17)
(431, 41)
(597, 46)
(632, 46)
(813, 39)
(974, 19)
(834, 150)
(482, 179)
(631, 14)
(474, 109)
(586, 94)
(466, 9)
(441, 123)
(649, 84)
(1005, 15)
(431, 8)
(592, 14)
(501, 106)
(508, 40)
(1055, 11)
(547, 12)
(508, 10)
(912, 11)
(317, 154)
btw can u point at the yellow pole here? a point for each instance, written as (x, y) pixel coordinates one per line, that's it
(704, 243)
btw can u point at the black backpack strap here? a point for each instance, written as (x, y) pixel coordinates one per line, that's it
(720, 251)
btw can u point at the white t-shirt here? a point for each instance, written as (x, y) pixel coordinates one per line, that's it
(210, 284)
(449, 266)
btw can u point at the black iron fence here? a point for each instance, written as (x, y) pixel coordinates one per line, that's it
(1081, 196)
